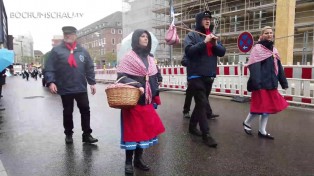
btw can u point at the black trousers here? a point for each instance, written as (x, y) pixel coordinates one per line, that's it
(188, 100)
(200, 88)
(83, 105)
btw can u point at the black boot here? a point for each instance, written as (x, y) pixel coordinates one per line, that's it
(128, 162)
(88, 138)
(68, 139)
(209, 140)
(138, 160)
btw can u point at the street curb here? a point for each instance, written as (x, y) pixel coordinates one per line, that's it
(2, 170)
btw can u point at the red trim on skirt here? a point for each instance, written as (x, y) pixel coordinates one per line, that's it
(141, 123)
(267, 101)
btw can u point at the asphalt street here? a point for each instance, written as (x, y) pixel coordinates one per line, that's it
(32, 139)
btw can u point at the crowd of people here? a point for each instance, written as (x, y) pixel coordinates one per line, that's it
(69, 69)
(33, 73)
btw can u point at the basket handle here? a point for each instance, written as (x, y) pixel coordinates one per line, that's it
(135, 82)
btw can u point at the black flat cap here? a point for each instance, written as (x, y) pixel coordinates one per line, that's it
(207, 14)
(69, 30)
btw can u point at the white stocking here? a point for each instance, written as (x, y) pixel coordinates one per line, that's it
(263, 123)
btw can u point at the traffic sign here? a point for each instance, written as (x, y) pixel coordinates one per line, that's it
(245, 42)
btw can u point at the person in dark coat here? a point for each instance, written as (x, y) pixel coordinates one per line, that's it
(189, 96)
(202, 51)
(26, 74)
(2, 80)
(141, 124)
(68, 69)
(265, 72)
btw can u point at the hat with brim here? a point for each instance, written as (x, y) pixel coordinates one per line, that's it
(69, 30)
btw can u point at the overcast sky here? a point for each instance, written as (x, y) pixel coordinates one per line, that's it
(45, 18)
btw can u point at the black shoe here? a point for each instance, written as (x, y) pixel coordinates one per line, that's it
(140, 164)
(89, 138)
(213, 116)
(195, 131)
(68, 139)
(129, 168)
(186, 115)
(266, 136)
(209, 141)
(249, 132)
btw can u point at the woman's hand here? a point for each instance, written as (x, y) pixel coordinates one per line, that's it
(141, 89)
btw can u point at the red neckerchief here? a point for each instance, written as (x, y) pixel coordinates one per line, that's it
(71, 59)
(209, 45)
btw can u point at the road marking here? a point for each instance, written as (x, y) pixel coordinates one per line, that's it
(2, 170)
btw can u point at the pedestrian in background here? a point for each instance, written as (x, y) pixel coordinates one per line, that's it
(68, 69)
(2, 80)
(202, 52)
(141, 124)
(26, 73)
(265, 72)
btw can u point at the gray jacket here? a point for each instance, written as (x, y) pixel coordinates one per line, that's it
(69, 79)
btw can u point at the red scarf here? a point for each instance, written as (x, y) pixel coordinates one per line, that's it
(71, 59)
(209, 45)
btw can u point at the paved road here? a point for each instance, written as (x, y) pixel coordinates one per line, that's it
(32, 139)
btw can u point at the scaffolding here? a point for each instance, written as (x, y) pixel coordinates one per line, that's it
(233, 17)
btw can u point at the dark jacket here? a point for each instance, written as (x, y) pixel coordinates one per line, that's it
(69, 79)
(142, 53)
(2, 77)
(262, 74)
(199, 63)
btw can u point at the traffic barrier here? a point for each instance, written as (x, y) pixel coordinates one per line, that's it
(232, 80)
(109, 75)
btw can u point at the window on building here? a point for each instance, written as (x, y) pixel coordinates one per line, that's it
(118, 23)
(113, 31)
(113, 41)
(234, 23)
(113, 51)
(119, 31)
(259, 19)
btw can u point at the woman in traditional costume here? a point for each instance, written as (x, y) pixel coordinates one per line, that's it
(265, 72)
(141, 124)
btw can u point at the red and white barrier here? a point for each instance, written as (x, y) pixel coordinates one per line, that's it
(232, 80)
(109, 75)
(174, 78)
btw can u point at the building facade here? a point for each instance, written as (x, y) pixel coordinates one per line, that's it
(38, 57)
(294, 29)
(23, 47)
(101, 39)
(4, 40)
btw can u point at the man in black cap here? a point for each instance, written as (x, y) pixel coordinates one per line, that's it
(202, 51)
(69, 68)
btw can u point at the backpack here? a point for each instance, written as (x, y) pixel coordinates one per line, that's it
(184, 61)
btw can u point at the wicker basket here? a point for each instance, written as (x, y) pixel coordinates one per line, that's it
(122, 97)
